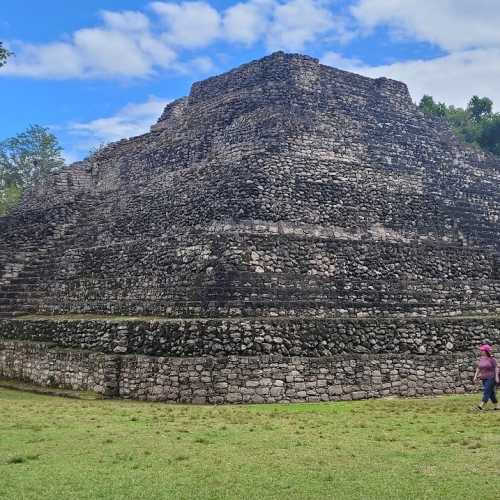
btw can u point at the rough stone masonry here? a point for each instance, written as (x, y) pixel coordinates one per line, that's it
(287, 232)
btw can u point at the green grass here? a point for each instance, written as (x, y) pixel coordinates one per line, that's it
(56, 448)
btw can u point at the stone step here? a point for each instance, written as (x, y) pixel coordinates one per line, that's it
(20, 295)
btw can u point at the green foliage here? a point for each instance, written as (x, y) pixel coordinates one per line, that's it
(4, 54)
(30, 156)
(480, 107)
(428, 106)
(25, 159)
(9, 196)
(490, 134)
(476, 124)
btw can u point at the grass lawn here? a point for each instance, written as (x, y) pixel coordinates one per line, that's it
(57, 448)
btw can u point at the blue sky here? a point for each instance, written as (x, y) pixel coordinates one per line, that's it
(96, 71)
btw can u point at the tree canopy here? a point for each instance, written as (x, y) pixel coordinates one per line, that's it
(476, 124)
(25, 159)
(4, 54)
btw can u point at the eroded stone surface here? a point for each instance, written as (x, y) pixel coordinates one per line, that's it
(253, 337)
(283, 189)
(236, 379)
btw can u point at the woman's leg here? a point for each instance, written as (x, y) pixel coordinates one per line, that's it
(493, 396)
(489, 391)
(486, 395)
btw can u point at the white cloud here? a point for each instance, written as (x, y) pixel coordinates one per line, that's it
(337, 60)
(189, 24)
(133, 119)
(125, 20)
(202, 65)
(130, 44)
(450, 24)
(468, 31)
(299, 22)
(248, 22)
(123, 47)
(111, 52)
(289, 25)
(453, 78)
(159, 53)
(53, 60)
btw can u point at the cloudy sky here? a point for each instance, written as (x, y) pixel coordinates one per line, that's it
(96, 71)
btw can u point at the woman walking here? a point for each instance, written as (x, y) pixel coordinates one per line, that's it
(487, 371)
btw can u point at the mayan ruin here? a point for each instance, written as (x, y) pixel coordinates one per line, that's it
(288, 232)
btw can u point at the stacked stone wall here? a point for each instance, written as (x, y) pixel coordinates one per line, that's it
(238, 379)
(274, 379)
(42, 364)
(288, 337)
(229, 273)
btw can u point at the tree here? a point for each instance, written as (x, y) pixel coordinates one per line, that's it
(430, 107)
(9, 197)
(479, 107)
(25, 159)
(4, 55)
(489, 136)
(477, 124)
(30, 156)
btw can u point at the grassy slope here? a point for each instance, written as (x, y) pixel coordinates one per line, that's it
(55, 448)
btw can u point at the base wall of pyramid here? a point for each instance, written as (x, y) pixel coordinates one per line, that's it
(250, 361)
(237, 379)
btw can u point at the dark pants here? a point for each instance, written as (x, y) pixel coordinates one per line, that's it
(489, 390)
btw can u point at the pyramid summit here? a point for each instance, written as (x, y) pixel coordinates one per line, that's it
(283, 223)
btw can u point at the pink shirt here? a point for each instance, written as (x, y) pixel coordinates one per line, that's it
(487, 367)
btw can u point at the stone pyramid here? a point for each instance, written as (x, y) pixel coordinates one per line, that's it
(284, 208)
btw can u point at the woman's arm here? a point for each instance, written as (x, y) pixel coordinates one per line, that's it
(476, 374)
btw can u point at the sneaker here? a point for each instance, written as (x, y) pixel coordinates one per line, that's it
(480, 408)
